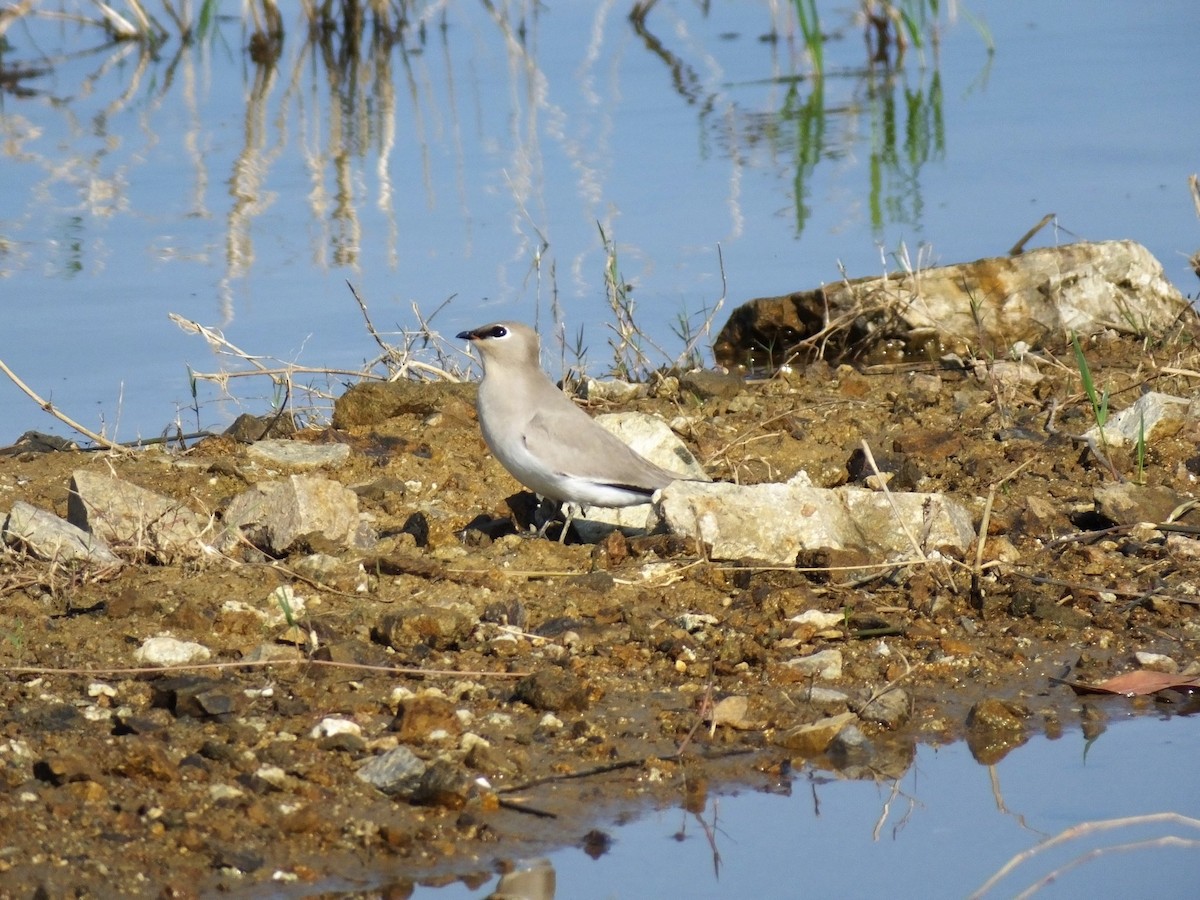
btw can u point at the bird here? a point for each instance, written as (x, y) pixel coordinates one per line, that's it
(543, 439)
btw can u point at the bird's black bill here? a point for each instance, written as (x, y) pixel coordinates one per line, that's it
(480, 334)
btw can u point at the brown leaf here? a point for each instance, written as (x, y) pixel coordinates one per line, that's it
(1137, 683)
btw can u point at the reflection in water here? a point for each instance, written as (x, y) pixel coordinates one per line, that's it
(532, 879)
(341, 108)
(465, 149)
(1092, 822)
(906, 132)
(902, 112)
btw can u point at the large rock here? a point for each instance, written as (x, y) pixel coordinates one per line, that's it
(773, 523)
(297, 512)
(373, 402)
(134, 521)
(48, 537)
(1037, 297)
(299, 454)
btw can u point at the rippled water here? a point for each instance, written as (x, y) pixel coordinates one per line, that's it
(480, 158)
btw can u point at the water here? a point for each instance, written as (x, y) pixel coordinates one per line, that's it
(481, 162)
(941, 831)
(243, 199)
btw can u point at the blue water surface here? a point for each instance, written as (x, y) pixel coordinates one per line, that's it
(481, 159)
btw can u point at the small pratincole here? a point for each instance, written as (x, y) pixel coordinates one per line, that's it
(543, 439)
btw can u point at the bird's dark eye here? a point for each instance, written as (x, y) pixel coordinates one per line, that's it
(496, 331)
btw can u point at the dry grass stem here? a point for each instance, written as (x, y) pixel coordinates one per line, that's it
(49, 407)
(256, 664)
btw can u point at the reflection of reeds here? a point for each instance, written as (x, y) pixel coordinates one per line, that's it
(903, 113)
(357, 114)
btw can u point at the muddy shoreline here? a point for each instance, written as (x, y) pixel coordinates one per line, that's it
(549, 688)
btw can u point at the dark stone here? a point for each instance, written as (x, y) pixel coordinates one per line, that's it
(246, 429)
(37, 442)
(56, 717)
(381, 488)
(196, 696)
(1047, 610)
(397, 772)
(436, 627)
(418, 526)
(291, 706)
(220, 752)
(596, 843)
(557, 626)
(552, 689)
(256, 783)
(238, 858)
(444, 783)
(483, 529)
(403, 564)
(600, 582)
(352, 653)
(904, 472)
(506, 612)
(143, 723)
(707, 384)
(345, 743)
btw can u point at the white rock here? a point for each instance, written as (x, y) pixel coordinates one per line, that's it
(272, 775)
(470, 740)
(826, 664)
(1156, 662)
(225, 792)
(818, 695)
(282, 603)
(612, 390)
(136, 521)
(299, 454)
(1153, 411)
(692, 622)
(48, 537)
(169, 651)
(819, 620)
(774, 522)
(331, 725)
(279, 515)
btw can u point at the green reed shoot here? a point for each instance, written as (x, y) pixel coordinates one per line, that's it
(1097, 399)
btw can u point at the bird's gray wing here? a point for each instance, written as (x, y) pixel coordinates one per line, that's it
(575, 445)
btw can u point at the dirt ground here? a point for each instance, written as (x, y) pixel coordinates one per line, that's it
(578, 681)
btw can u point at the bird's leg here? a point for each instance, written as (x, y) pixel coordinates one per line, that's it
(573, 509)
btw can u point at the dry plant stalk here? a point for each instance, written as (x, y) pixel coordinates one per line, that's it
(54, 411)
